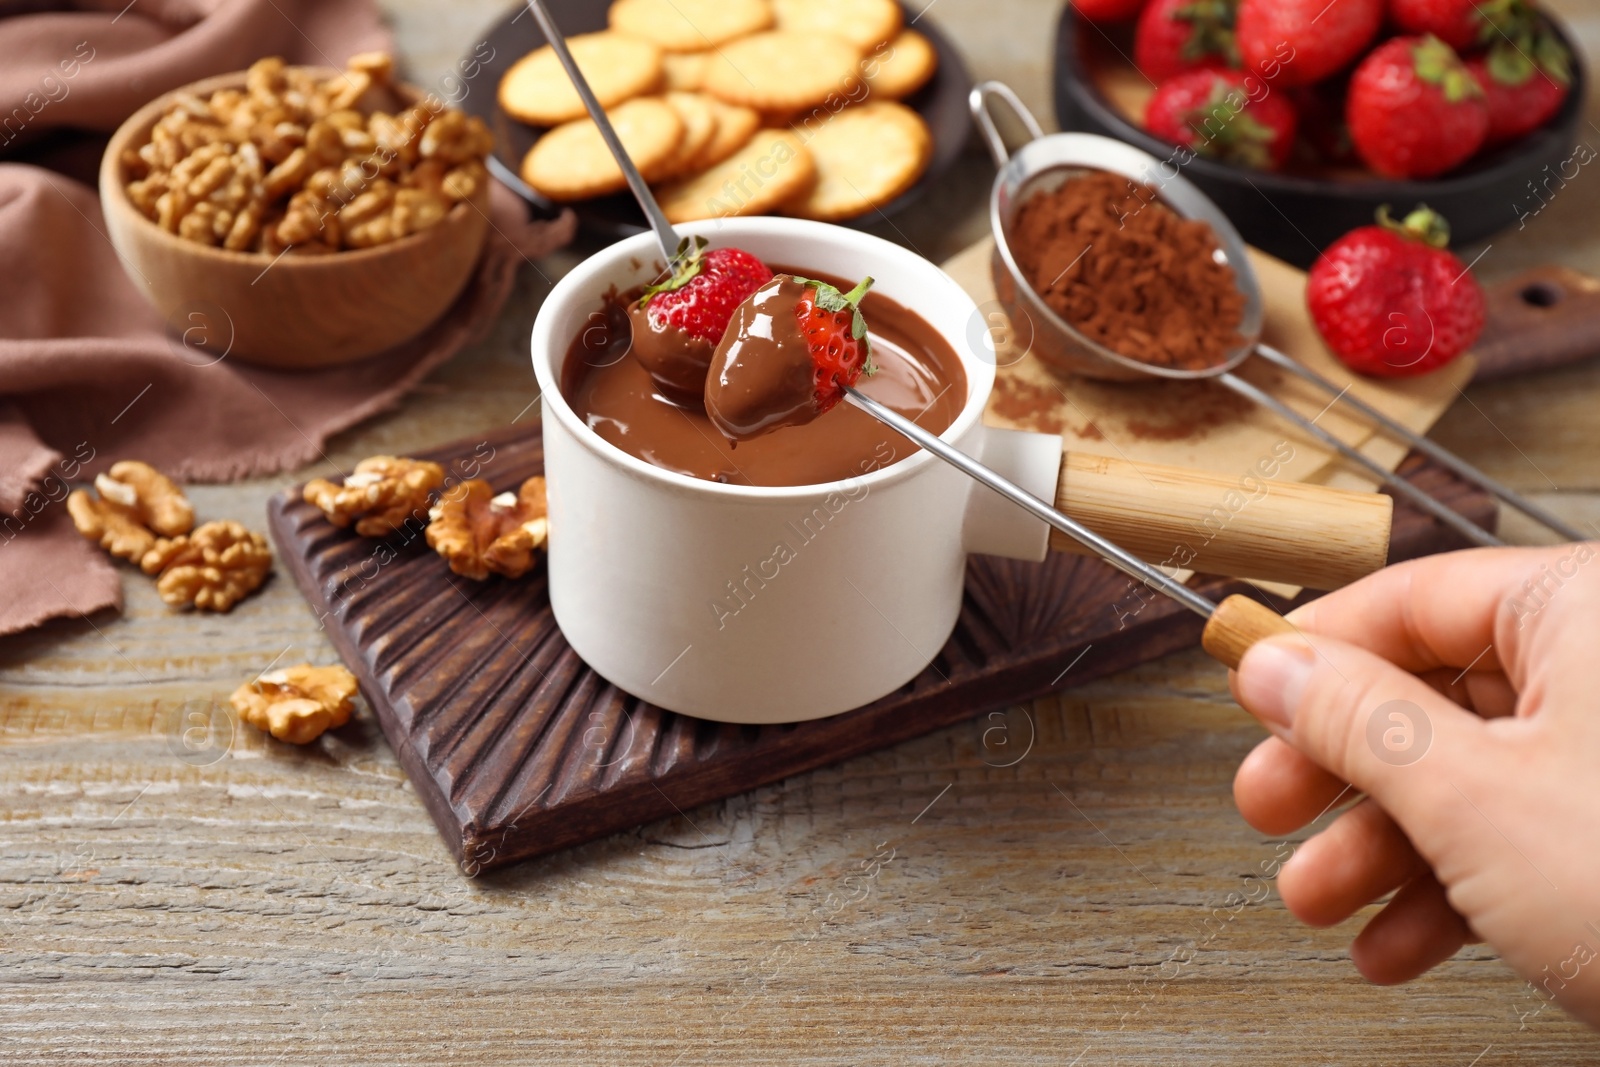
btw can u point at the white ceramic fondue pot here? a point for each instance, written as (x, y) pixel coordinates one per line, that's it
(758, 604)
(763, 604)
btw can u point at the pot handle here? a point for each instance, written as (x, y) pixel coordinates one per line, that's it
(977, 101)
(1183, 519)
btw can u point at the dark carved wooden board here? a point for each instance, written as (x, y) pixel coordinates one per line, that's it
(517, 748)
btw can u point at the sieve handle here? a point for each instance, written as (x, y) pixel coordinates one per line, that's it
(1245, 525)
(978, 101)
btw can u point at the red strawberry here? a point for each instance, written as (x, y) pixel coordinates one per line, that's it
(704, 289)
(836, 335)
(1175, 36)
(1297, 42)
(1108, 10)
(1414, 110)
(1460, 24)
(1389, 300)
(1523, 87)
(1212, 111)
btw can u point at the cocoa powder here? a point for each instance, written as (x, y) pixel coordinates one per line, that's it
(1129, 272)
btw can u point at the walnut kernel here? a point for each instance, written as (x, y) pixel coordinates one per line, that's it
(212, 568)
(380, 496)
(479, 533)
(297, 704)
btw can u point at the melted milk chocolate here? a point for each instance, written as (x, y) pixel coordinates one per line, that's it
(919, 376)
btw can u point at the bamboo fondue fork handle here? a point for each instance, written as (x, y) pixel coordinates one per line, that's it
(1231, 627)
(1232, 525)
(1238, 623)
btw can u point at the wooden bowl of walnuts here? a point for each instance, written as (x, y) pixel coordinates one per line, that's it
(297, 217)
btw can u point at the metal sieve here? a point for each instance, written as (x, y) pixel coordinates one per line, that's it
(1044, 163)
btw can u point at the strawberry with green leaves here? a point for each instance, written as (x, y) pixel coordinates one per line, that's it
(1391, 301)
(836, 335)
(1461, 24)
(1212, 111)
(678, 321)
(1524, 84)
(1175, 36)
(1414, 110)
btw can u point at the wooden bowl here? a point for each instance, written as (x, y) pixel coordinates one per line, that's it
(1295, 214)
(287, 311)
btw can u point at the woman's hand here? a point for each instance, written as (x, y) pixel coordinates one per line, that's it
(1456, 699)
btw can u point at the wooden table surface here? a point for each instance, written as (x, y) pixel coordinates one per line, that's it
(1063, 883)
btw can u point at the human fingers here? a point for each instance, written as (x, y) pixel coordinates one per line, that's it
(1415, 932)
(1365, 721)
(1477, 607)
(1362, 857)
(1487, 693)
(1278, 789)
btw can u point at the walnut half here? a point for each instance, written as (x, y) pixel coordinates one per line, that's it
(136, 503)
(479, 533)
(297, 704)
(213, 568)
(380, 496)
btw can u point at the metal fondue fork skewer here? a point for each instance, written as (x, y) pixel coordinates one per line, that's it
(1231, 627)
(1118, 557)
(666, 236)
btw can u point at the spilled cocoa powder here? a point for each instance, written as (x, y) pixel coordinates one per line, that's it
(1129, 272)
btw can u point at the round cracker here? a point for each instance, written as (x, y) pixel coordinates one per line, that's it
(690, 25)
(865, 157)
(774, 167)
(782, 71)
(901, 67)
(684, 70)
(699, 127)
(735, 126)
(537, 90)
(864, 23)
(572, 162)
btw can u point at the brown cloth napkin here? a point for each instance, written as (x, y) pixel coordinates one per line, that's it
(89, 374)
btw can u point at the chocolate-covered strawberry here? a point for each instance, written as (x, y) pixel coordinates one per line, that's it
(1176, 36)
(678, 322)
(1389, 300)
(1414, 110)
(789, 354)
(1212, 111)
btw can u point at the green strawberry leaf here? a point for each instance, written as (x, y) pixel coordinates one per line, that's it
(1436, 63)
(1422, 224)
(1509, 65)
(1225, 130)
(1553, 58)
(1211, 30)
(685, 266)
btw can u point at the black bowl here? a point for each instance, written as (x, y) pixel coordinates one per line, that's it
(942, 103)
(1296, 216)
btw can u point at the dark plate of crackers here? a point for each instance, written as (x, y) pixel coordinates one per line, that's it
(838, 110)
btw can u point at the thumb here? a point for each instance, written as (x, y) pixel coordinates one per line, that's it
(1357, 715)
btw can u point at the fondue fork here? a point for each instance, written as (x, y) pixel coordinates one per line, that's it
(672, 246)
(1231, 626)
